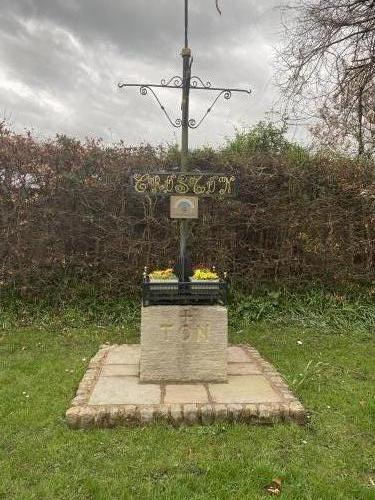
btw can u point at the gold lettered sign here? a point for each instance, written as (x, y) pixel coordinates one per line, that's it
(198, 184)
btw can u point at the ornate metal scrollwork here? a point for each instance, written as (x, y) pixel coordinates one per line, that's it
(177, 81)
(143, 89)
(227, 95)
(195, 80)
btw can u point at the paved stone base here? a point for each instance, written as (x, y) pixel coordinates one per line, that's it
(111, 393)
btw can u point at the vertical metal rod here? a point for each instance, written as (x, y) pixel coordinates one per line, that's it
(186, 23)
(186, 55)
(186, 75)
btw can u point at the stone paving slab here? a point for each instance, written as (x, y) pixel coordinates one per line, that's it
(127, 354)
(119, 370)
(237, 355)
(111, 393)
(244, 369)
(124, 391)
(186, 393)
(245, 389)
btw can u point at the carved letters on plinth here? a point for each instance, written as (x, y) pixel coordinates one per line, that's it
(184, 343)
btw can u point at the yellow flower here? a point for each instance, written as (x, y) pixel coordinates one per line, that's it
(204, 274)
(162, 274)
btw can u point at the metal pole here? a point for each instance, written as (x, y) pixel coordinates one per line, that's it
(186, 75)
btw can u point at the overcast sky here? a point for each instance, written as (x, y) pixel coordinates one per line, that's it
(61, 60)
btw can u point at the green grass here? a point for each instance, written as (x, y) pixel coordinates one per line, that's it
(44, 353)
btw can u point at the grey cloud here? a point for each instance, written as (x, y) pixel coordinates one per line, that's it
(61, 60)
(146, 26)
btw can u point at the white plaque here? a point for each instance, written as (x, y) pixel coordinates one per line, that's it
(184, 207)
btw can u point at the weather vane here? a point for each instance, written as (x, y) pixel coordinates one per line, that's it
(186, 83)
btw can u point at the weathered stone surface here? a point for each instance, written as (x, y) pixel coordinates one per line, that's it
(250, 412)
(176, 414)
(185, 393)
(72, 417)
(146, 414)
(221, 412)
(190, 413)
(243, 369)
(115, 416)
(208, 414)
(297, 412)
(162, 412)
(184, 343)
(86, 417)
(120, 370)
(123, 391)
(244, 389)
(237, 355)
(124, 354)
(235, 412)
(267, 413)
(130, 414)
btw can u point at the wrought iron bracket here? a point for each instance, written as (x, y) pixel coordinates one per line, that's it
(176, 82)
(144, 91)
(227, 95)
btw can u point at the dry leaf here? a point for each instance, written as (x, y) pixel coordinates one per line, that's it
(274, 488)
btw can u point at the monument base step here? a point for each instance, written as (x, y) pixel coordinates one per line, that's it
(111, 394)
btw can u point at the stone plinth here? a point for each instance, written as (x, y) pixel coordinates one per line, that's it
(184, 344)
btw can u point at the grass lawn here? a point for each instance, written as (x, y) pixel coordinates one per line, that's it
(43, 358)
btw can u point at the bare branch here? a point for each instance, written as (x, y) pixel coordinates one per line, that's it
(330, 53)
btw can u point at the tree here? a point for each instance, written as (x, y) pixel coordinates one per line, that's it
(348, 120)
(328, 66)
(266, 138)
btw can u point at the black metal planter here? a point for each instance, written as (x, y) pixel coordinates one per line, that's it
(184, 293)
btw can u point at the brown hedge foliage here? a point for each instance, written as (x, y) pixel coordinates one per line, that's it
(67, 216)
